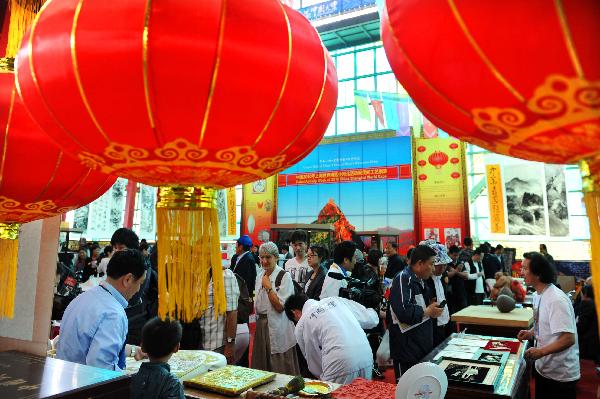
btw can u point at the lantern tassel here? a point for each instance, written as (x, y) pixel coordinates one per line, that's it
(22, 13)
(9, 248)
(591, 197)
(188, 248)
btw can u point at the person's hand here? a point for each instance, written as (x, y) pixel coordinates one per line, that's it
(266, 282)
(524, 335)
(433, 311)
(534, 353)
(139, 354)
(229, 352)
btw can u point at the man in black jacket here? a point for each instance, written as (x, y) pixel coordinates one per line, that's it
(411, 310)
(243, 263)
(395, 264)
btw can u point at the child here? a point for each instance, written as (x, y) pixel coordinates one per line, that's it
(160, 339)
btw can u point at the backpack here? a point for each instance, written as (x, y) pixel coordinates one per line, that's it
(297, 288)
(245, 305)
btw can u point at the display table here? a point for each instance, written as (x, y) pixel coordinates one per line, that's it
(513, 383)
(279, 381)
(28, 376)
(483, 319)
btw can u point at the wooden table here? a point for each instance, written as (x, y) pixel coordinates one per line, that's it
(489, 320)
(25, 376)
(514, 383)
(279, 381)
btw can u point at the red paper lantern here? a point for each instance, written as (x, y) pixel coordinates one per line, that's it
(186, 95)
(517, 78)
(422, 163)
(37, 180)
(438, 159)
(216, 93)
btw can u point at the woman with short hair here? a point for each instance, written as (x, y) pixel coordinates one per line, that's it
(274, 340)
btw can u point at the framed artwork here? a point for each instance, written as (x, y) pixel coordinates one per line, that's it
(483, 355)
(473, 373)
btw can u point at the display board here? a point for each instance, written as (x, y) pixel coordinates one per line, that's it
(259, 209)
(361, 182)
(440, 194)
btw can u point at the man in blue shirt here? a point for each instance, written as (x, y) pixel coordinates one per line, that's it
(94, 326)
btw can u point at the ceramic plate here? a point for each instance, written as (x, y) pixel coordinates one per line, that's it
(424, 380)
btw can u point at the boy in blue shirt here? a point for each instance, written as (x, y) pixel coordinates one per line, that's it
(160, 339)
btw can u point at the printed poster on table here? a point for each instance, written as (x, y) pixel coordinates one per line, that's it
(259, 209)
(441, 197)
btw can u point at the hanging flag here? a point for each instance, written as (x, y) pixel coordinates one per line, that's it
(378, 107)
(430, 131)
(362, 105)
(415, 120)
(397, 116)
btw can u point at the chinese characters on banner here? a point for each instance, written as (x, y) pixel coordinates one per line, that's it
(231, 212)
(495, 198)
(259, 209)
(441, 209)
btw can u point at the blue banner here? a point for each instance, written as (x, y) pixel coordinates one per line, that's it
(334, 7)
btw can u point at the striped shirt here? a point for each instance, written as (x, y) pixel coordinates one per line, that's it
(213, 329)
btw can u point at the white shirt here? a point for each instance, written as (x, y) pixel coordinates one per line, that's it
(300, 271)
(555, 316)
(439, 294)
(331, 337)
(473, 276)
(281, 329)
(331, 287)
(103, 265)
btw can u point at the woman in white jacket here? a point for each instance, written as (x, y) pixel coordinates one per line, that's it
(274, 340)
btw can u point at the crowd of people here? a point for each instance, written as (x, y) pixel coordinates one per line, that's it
(320, 317)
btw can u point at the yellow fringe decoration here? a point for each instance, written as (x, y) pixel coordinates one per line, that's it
(188, 247)
(22, 13)
(590, 171)
(9, 249)
(592, 205)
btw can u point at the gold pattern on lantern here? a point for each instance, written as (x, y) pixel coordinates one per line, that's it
(184, 162)
(15, 211)
(561, 103)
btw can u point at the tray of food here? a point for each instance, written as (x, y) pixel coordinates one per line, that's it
(230, 380)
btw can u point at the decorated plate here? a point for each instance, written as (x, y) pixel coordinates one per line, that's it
(315, 388)
(424, 380)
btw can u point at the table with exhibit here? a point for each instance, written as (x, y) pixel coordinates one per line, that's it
(485, 319)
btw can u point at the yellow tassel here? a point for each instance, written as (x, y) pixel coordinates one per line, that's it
(591, 197)
(22, 13)
(9, 248)
(188, 247)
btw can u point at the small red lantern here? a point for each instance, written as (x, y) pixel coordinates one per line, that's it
(422, 177)
(421, 148)
(455, 175)
(438, 159)
(454, 161)
(186, 95)
(453, 146)
(422, 163)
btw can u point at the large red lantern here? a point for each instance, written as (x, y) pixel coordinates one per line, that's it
(180, 94)
(37, 180)
(518, 78)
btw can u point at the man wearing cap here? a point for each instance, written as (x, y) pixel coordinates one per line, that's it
(437, 284)
(243, 263)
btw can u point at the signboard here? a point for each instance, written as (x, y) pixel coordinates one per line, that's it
(259, 208)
